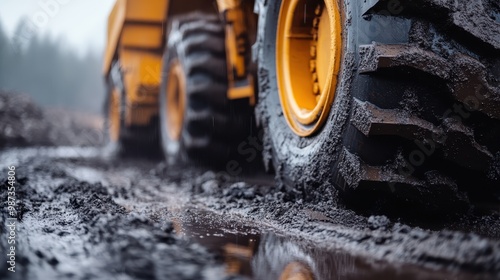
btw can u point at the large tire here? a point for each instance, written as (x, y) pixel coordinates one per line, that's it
(121, 139)
(398, 132)
(113, 116)
(210, 124)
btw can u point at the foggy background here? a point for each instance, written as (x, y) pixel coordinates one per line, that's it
(52, 50)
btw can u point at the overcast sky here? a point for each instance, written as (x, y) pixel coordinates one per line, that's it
(80, 23)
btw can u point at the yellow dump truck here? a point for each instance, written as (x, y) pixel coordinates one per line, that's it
(381, 99)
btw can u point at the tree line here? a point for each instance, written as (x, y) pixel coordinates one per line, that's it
(53, 74)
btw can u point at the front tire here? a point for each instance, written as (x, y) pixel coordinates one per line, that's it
(388, 139)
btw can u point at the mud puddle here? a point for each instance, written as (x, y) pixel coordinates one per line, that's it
(259, 253)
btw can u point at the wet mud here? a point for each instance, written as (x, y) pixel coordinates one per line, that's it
(71, 228)
(86, 215)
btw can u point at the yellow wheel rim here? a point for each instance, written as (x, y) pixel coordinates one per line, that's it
(296, 271)
(114, 115)
(176, 94)
(308, 54)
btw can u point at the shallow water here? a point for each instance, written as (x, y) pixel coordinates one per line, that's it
(260, 254)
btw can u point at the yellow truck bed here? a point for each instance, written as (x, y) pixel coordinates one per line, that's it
(135, 24)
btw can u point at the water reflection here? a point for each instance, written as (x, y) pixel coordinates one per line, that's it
(261, 255)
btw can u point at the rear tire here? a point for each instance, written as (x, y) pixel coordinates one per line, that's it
(204, 125)
(390, 139)
(113, 114)
(114, 119)
(126, 140)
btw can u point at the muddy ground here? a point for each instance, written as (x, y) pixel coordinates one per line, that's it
(23, 124)
(84, 212)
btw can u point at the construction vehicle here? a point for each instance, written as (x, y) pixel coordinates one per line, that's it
(381, 99)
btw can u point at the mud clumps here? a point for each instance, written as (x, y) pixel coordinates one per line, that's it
(91, 201)
(74, 229)
(325, 222)
(123, 222)
(239, 191)
(24, 124)
(378, 222)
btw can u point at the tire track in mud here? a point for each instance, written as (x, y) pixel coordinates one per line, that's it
(85, 215)
(70, 228)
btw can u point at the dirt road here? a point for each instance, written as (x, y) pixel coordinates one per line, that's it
(83, 213)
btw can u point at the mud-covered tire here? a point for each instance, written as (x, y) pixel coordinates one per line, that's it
(106, 114)
(130, 140)
(415, 121)
(113, 125)
(211, 123)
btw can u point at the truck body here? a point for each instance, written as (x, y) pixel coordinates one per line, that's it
(351, 95)
(137, 31)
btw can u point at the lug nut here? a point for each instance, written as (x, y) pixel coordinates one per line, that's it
(317, 11)
(313, 51)
(316, 90)
(312, 65)
(316, 22)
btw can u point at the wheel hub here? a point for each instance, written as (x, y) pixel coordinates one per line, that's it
(176, 92)
(308, 53)
(114, 115)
